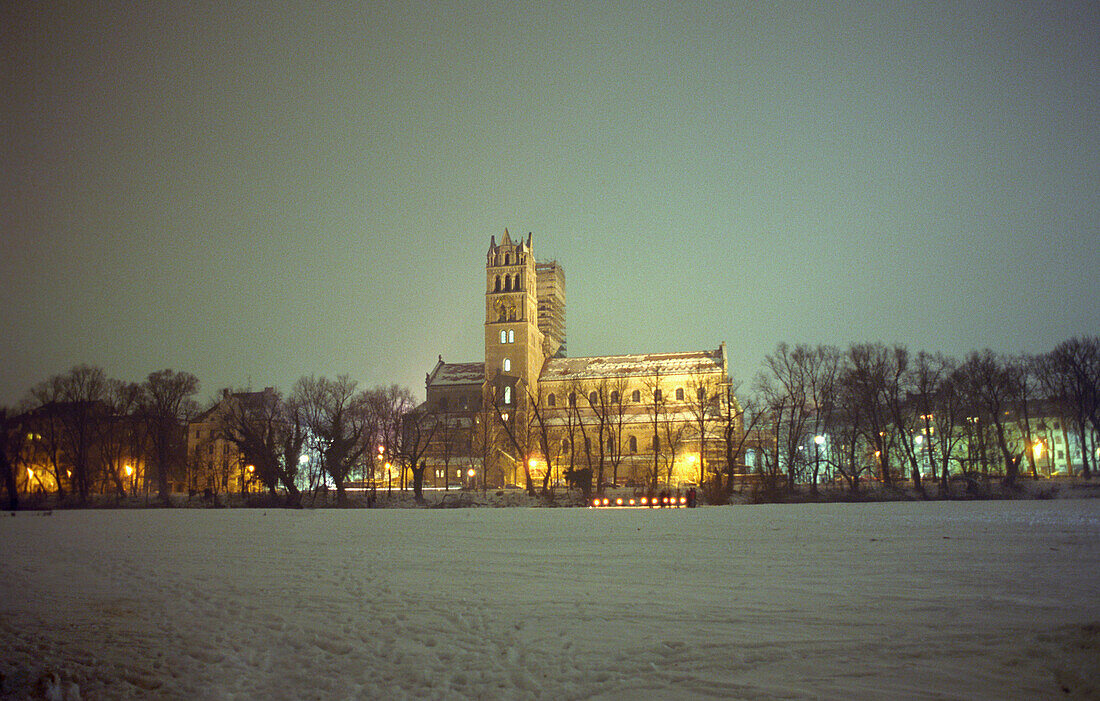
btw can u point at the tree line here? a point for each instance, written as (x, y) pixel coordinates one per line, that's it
(81, 433)
(879, 412)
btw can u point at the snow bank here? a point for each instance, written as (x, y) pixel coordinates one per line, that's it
(916, 600)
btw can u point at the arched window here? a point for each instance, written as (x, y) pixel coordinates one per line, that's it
(496, 288)
(615, 397)
(507, 283)
(511, 335)
(551, 400)
(503, 336)
(572, 399)
(636, 396)
(517, 285)
(507, 259)
(565, 447)
(593, 398)
(507, 394)
(507, 365)
(679, 394)
(633, 444)
(657, 395)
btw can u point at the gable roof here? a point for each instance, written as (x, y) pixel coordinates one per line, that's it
(451, 374)
(645, 365)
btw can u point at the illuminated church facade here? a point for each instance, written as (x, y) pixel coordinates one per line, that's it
(527, 413)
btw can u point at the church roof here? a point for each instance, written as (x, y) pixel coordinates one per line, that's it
(612, 366)
(446, 374)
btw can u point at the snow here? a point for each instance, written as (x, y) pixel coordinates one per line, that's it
(888, 600)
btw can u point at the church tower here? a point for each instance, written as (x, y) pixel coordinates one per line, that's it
(514, 348)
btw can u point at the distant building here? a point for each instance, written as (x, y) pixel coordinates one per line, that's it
(214, 463)
(650, 419)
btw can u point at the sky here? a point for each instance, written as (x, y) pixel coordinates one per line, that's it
(257, 192)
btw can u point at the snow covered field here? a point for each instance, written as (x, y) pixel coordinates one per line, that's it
(898, 600)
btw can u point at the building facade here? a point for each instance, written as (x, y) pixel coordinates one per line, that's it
(528, 414)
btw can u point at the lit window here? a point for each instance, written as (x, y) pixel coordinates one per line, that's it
(507, 395)
(511, 335)
(503, 336)
(507, 365)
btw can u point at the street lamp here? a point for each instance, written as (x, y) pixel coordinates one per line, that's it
(470, 473)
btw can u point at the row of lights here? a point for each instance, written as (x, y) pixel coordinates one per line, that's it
(650, 502)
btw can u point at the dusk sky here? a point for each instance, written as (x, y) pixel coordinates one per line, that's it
(256, 193)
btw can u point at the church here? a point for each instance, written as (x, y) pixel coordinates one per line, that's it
(530, 416)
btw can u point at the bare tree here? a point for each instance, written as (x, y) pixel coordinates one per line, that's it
(992, 383)
(656, 408)
(259, 425)
(13, 439)
(166, 405)
(338, 418)
(1072, 378)
(418, 426)
(703, 399)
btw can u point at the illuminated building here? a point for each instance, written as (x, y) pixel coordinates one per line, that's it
(636, 415)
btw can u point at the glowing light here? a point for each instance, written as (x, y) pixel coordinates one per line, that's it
(619, 501)
(1038, 449)
(595, 502)
(606, 502)
(918, 439)
(129, 470)
(381, 449)
(469, 473)
(632, 502)
(302, 460)
(30, 473)
(644, 501)
(820, 440)
(683, 500)
(531, 462)
(251, 468)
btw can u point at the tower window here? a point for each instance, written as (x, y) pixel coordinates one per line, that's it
(507, 259)
(497, 287)
(551, 400)
(516, 286)
(679, 394)
(507, 394)
(503, 336)
(511, 335)
(636, 396)
(507, 283)
(507, 365)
